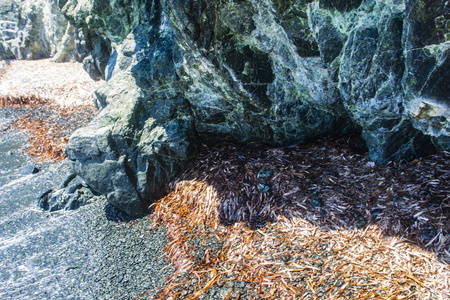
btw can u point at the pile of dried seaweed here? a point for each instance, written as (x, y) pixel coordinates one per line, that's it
(54, 99)
(308, 222)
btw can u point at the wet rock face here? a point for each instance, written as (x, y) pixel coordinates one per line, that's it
(370, 77)
(277, 72)
(31, 29)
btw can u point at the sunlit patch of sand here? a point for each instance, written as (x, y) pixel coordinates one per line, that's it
(65, 84)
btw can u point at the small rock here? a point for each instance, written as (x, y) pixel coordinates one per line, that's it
(70, 198)
(315, 202)
(69, 178)
(356, 214)
(265, 174)
(73, 188)
(370, 164)
(72, 267)
(426, 235)
(376, 212)
(428, 232)
(29, 169)
(43, 199)
(330, 172)
(264, 187)
(361, 223)
(285, 257)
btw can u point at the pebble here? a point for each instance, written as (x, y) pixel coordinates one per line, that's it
(264, 187)
(315, 202)
(376, 212)
(285, 257)
(265, 174)
(361, 223)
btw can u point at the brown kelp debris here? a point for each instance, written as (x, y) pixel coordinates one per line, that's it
(317, 221)
(48, 125)
(21, 100)
(54, 99)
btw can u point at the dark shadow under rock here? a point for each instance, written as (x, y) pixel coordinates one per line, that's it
(114, 214)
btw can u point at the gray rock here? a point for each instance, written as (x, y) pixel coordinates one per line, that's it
(135, 146)
(95, 64)
(247, 81)
(264, 187)
(330, 39)
(276, 72)
(66, 50)
(72, 195)
(265, 174)
(370, 84)
(8, 27)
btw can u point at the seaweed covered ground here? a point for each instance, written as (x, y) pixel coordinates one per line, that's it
(317, 221)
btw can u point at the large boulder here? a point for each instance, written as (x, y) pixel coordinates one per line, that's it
(135, 146)
(35, 29)
(277, 72)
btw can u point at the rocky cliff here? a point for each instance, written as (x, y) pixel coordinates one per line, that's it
(35, 29)
(181, 72)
